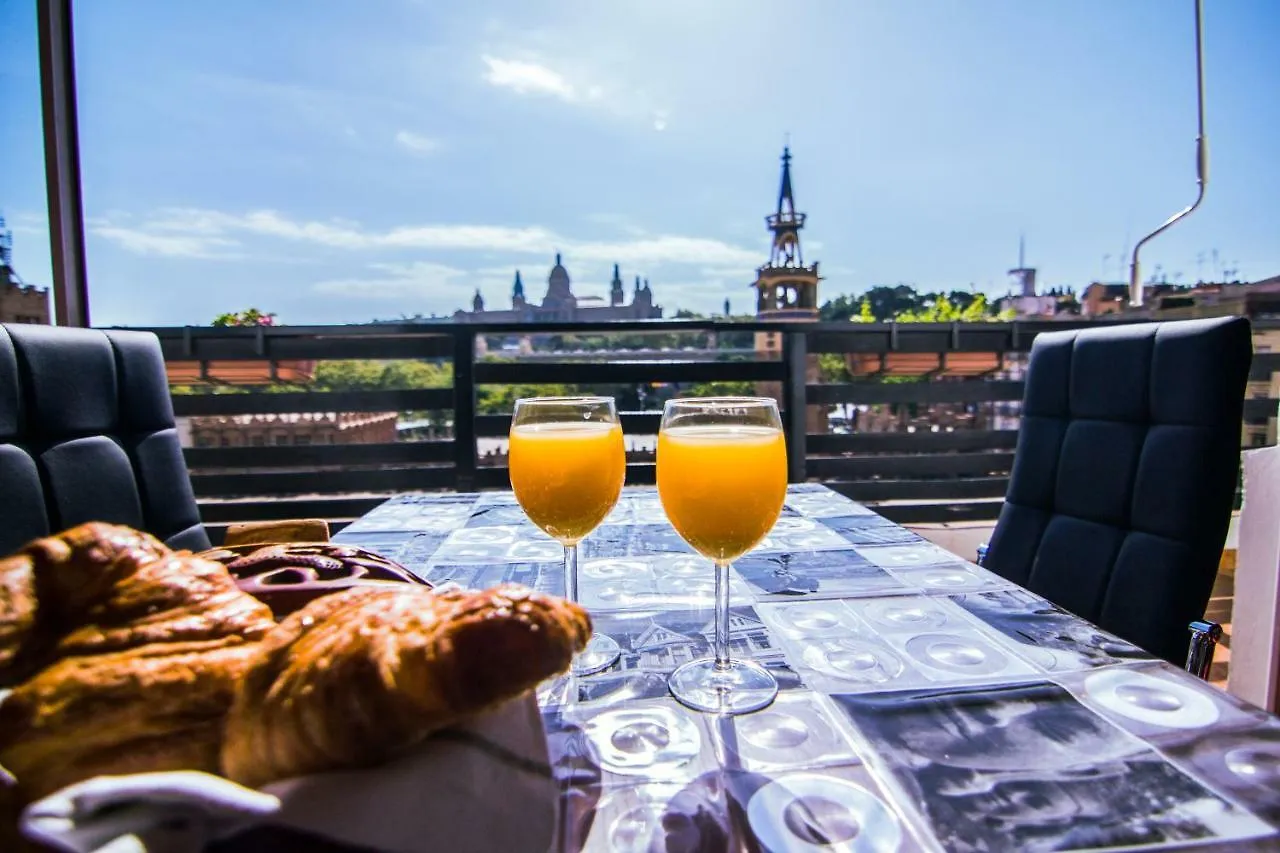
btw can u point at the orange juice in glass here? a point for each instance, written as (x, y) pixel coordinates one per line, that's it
(567, 476)
(722, 479)
(567, 463)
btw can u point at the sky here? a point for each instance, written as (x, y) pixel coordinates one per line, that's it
(337, 161)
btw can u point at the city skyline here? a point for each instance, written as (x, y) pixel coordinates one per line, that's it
(344, 165)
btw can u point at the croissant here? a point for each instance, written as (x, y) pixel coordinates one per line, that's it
(358, 676)
(136, 652)
(99, 588)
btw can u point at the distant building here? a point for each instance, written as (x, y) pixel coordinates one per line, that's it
(1102, 298)
(787, 289)
(1025, 302)
(294, 429)
(560, 304)
(19, 303)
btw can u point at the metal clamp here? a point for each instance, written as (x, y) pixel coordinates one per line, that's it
(1204, 640)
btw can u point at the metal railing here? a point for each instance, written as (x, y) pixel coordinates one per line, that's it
(918, 477)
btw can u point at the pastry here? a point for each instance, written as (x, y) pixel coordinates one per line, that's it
(126, 657)
(356, 677)
(99, 588)
(289, 576)
(136, 652)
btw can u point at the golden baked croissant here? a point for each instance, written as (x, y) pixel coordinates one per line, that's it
(99, 588)
(355, 677)
(136, 649)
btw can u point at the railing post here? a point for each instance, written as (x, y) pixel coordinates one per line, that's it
(464, 408)
(795, 352)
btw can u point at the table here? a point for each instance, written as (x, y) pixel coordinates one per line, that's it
(925, 703)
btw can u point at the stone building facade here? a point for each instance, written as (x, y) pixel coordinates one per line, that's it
(19, 303)
(560, 304)
(296, 429)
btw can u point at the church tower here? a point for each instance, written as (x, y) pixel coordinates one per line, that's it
(786, 289)
(517, 294)
(617, 296)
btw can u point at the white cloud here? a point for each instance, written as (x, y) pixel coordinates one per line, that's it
(530, 78)
(175, 231)
(417, 280)
(416, 143)
(141, 242)
(27, 222)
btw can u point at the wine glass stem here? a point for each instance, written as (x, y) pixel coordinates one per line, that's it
(571, 572)
(722, 615)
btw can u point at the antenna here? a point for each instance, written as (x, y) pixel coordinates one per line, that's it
(1202, 167)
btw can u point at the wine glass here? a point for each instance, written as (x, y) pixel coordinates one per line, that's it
(567, 463)
(722, 478)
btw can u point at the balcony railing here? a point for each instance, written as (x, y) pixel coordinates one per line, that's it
(921, 476)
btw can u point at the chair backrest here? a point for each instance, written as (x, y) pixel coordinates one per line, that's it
(87, 434)
(1125, 474)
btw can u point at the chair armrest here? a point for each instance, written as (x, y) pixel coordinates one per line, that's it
(1204, 640)
(982, 553)
(271, 532)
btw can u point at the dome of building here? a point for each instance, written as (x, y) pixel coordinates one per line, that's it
(558, 273)
(558, 283)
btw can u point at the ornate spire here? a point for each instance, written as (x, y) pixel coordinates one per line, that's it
(617, 296)
(558, 259)
(517, 289)
(786, 223)
(786, 201)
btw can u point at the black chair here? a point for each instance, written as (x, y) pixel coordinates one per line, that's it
(87, 434)
(1125, 474)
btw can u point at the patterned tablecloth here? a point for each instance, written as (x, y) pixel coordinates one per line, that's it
(926, 703)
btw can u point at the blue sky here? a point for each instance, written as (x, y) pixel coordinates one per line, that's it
(339, 161)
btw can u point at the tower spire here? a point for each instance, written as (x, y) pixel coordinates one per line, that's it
(617, 296)
(786, 199)
(786, 223)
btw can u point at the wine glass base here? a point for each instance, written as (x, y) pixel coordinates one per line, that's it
(744, 686)
(600, 653)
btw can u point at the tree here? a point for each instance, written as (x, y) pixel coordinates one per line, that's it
(943, 310)
(252, 317)
(903, 303)
(362, 375)
(501, 399)
(742, 388)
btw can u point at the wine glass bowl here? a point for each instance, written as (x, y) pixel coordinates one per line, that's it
(722, 480)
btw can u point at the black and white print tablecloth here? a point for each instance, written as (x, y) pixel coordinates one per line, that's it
(925, 703)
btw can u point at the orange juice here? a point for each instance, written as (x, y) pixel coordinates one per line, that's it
(567, 475)
(722, 486)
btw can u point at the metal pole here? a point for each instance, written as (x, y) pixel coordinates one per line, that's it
(1202, 169)
(62, 161)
